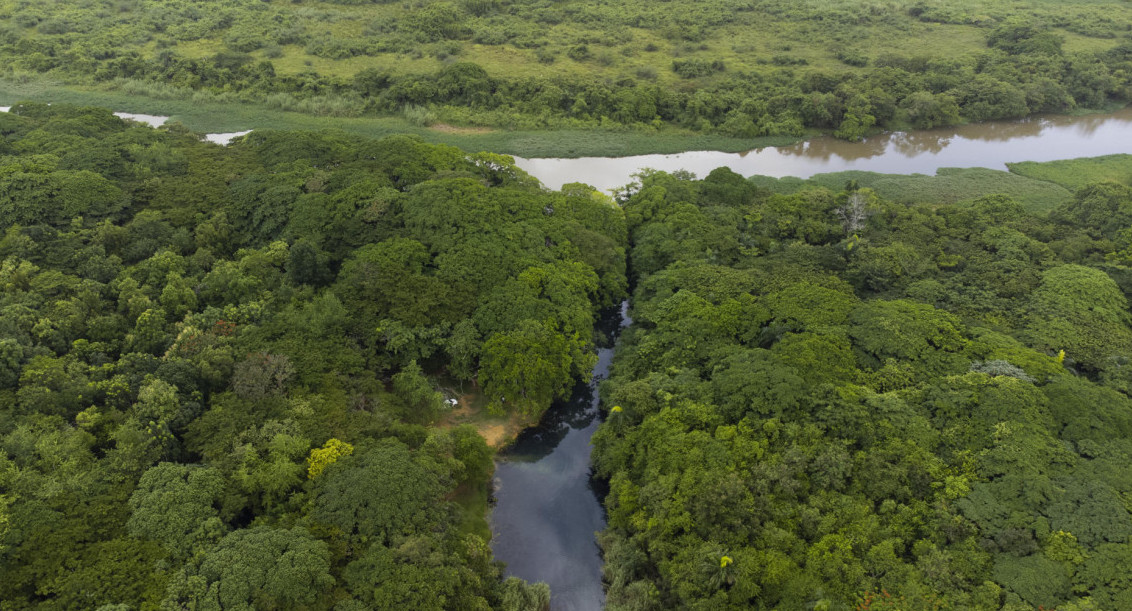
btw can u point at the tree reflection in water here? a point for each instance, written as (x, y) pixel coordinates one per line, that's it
(988, 145)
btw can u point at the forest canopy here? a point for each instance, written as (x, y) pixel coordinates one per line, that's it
(221, 367)
(831, 401)
(225, 374)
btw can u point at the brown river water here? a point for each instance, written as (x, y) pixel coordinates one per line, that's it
(986, 145)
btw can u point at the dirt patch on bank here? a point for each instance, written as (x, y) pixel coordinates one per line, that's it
(445, 128)
(497, 430)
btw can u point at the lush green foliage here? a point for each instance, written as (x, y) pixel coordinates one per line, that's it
(733, 67)
(217, 365)
(948, 186)
(1078, 173)
(831, 401)
(218, 370)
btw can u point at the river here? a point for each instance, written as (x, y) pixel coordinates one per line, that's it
(986, 145)
(546, 507)
(547, 510)
(978, 145)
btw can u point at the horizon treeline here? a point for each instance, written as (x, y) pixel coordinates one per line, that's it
(737, 68)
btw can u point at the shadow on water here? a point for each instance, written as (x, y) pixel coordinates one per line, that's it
(577, 412)
(548, 506)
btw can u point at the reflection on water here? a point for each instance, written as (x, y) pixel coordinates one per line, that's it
(989, 145)
(547, 508)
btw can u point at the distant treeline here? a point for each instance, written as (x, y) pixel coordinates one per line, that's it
(592, 65)
(917, 92)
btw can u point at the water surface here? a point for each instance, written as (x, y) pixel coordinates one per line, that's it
(547, 509)
(986, 145)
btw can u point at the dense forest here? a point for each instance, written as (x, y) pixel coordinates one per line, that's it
(226, 375)
(741, 68)
(831, 401)
(221, 369)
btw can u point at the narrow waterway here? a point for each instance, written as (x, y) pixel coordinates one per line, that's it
(547, 509)
(979, 145)
(158, 120)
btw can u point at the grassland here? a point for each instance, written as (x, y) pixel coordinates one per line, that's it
(536, 37)
(948, 186)
(586, 69)
(1076, 173)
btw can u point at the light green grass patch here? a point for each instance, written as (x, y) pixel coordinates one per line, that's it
(948, 186)
(1076, 173)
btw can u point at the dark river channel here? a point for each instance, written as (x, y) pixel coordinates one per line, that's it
(981, 145)
(547, 509)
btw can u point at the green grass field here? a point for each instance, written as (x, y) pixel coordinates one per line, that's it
(948, 186)
(1076, 173)
(1039, 186)
(535, 37)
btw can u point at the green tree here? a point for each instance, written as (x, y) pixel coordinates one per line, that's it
(174, 505)
(409, 499)
(531, 366)
(1081, 310)
(423, 403)
(255, 568)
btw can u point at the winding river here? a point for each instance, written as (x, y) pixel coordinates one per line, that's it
(978, 145)
(547, 510)
(984, 145)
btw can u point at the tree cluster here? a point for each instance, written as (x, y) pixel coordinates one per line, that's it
(596, 65)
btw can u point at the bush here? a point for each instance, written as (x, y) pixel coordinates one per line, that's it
(420, 116)
(694, 68)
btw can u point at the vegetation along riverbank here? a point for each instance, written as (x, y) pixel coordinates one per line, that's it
(214, 358)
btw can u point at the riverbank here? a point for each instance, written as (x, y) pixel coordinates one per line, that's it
(915, 166)
(214, 117)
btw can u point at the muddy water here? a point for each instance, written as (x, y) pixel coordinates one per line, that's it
(547, 509)
(987, 145)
